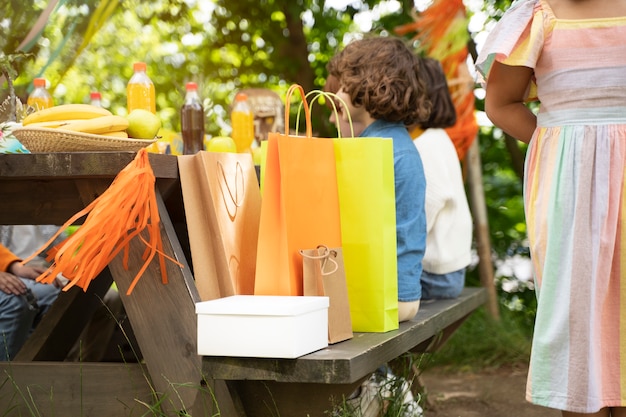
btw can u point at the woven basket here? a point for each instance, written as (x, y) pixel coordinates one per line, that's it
(46, 140)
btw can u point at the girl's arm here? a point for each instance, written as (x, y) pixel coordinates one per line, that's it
(504, 102)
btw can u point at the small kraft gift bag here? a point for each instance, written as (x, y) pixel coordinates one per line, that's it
(324, 275)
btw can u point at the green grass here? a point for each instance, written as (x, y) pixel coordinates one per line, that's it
(482, 342)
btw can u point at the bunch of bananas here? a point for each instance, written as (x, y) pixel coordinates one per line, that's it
(83, 118)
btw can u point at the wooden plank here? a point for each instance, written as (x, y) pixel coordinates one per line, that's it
(75, 165)
(73, 389)
(351, 360)
(163, 319)
(49, 182)
(270, 399)
(61, 326)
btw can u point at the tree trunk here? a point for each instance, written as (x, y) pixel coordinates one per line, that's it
(481, 227)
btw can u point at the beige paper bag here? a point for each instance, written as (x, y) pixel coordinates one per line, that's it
(222, 208)
(324, 275)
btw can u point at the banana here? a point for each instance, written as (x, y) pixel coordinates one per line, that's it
(66, 112)
(98, 125)
(119, 134)
(52, 123)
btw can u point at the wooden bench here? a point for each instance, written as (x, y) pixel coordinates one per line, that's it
(48, 189)
(305, 386)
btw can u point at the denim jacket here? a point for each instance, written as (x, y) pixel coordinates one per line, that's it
(410, 188)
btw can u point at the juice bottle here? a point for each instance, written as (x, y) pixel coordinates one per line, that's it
(96, 99)
(192, 121)
(242, 121)
(40, 98)
(140, 90)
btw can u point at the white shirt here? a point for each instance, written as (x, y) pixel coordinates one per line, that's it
(24, 240)
(448, 217)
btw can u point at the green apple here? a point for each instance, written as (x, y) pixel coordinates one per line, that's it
(221, 144)
(142, 124)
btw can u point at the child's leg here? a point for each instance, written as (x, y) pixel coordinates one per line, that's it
(16, 318)
(407, 310)
(436, 286)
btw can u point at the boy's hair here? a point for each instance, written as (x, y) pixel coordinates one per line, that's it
(332, 86)
(384, 76)
(443, 113)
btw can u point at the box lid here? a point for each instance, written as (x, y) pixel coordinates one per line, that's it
(265, 305)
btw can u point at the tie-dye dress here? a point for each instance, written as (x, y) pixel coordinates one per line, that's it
(574, 200)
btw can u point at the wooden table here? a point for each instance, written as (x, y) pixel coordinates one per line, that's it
(49, 189)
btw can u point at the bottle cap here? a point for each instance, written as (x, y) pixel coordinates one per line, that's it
(241, 97)
(139, 66)
(191, 86)
(95, 95)
(39, 82)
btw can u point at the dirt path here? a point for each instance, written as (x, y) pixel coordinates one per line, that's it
(498, 393)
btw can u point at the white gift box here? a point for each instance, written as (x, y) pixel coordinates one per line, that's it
(262, 326)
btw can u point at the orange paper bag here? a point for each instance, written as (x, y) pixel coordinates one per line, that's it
(222, 207)
(299, 207)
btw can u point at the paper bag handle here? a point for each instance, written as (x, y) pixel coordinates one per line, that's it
(307, 112)
(330, 96)
(326, 256)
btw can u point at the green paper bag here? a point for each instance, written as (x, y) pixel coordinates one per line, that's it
(365, 182)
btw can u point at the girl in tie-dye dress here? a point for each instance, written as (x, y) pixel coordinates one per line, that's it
(570, 55)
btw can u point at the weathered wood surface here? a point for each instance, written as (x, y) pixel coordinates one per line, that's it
(43, 188)
(349, 361)
(73, 389)
(61, 326)
(163, 319)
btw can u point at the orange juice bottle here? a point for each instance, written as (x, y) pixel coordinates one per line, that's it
(95, 98)
(140, 90)
(40, 98)
(242, 121)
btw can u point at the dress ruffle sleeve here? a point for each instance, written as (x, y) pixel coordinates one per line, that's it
(516, 40)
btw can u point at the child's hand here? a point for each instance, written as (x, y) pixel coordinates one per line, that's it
(25, 271)
(10, 284)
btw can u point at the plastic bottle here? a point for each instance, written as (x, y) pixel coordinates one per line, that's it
(192, 121)
(96, 99)
(242, 121)
(140, 90)
(40, 98)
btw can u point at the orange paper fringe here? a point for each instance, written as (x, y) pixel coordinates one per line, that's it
(432, 28)
(121, 213)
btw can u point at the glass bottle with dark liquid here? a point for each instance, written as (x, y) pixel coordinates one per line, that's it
(192, 121)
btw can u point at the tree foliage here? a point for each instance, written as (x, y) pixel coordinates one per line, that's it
(222, 45)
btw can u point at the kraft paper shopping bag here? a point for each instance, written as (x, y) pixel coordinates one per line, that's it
(324, 275)
(222, 207)
(365, 178)
(299, 207)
